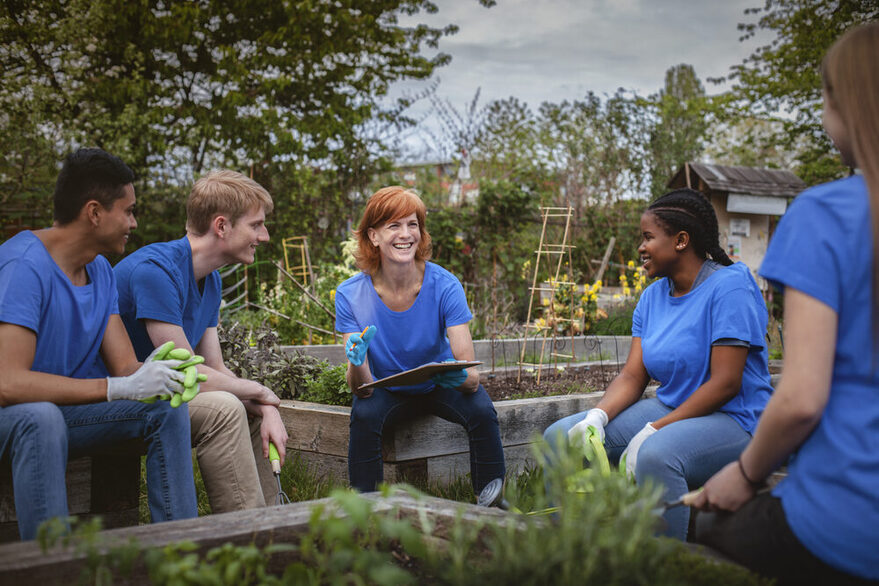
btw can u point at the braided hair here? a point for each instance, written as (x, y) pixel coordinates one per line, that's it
(687, 210)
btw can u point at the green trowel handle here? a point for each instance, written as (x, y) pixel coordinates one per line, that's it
(274, 458)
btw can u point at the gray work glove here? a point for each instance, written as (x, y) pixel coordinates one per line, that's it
(153, 378)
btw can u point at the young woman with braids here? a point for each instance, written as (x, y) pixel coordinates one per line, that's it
(699, 330)
(819, 525)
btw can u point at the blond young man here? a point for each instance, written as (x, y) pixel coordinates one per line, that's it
(171, 291)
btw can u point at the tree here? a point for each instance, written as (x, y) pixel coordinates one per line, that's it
(782, 80)
(676, 122)
(232, 82)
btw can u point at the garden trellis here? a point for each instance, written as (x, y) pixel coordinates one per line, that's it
(555, 247)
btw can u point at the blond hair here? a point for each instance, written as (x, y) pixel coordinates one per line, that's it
(224, 192)
(851, 80)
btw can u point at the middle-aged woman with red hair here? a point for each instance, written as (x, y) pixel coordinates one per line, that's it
(400, 312)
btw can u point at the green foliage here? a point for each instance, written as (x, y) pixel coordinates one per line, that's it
(288, 299)
(783, 77)
(269, 84)
(329, 387)
(255, 354)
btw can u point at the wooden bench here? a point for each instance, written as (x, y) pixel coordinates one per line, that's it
(427, 448)
(105, 484)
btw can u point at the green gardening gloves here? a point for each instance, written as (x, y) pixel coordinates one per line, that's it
(191, 379)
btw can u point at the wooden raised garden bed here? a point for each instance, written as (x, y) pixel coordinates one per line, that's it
(427, 448)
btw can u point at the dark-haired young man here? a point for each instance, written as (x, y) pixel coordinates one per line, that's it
(58, 313)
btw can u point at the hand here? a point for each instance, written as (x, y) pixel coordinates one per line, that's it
(595, 419)
(357, 345)
(630, 454)
(154, 377)
(272, 429)
(264, 395)
(363, 393)
(451, 378)
(725, 491)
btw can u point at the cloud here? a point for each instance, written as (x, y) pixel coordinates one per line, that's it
(550, 50)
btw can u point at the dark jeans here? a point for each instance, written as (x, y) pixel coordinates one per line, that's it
(474, 411)
(758, 537)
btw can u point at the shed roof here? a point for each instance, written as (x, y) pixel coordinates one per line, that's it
(751, 180)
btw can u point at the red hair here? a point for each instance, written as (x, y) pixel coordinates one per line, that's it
(386, 204)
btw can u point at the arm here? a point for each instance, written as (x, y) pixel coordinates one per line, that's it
(461, 344)
(20, 384)
(219, 377)
(257, 399)
(628, 386)
(795, 407)
(358, 375)
(724, 382)
(116, 349)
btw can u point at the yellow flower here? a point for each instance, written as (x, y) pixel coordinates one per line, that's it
(627, 292)
(544, 301)
(616, 296)
(333, 295)
(631, 264)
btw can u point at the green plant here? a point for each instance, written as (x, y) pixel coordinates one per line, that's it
(254, 353)
(329, 387)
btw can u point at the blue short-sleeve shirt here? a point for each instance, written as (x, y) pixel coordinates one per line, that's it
(69, 320)
(823, 247)
(157, 282)
(405, 339)
(677, 334)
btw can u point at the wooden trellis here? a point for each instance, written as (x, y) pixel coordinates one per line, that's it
(559, 250)
(296, 252)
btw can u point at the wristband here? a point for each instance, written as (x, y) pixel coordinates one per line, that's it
(754, 485)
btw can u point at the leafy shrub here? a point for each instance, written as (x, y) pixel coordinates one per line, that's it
(329, 387)
(255, 354)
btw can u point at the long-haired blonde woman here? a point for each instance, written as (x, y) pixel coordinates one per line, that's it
(820, 524)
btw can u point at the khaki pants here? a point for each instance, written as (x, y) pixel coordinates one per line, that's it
(229, 452)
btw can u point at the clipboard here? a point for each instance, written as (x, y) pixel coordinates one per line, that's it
(419, 374)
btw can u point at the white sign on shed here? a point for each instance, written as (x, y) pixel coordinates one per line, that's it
(743, 203)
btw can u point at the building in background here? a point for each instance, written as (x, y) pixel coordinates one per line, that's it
(748, 203)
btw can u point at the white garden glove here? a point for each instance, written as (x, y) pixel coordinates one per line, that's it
(153, 378)
(595, 418)
(630, 454)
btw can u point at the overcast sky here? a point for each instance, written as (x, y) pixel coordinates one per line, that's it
(551, 50)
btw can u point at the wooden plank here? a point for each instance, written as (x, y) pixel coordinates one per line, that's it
(316, 428)
(26, 563)
(519, 420)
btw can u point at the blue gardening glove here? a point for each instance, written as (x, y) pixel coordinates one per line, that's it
(451, 378)
(358, 344)
(630, 454)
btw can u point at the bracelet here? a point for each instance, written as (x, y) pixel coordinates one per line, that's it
(754, 485)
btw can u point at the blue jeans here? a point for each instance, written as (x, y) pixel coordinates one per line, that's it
(37, 439)
(474, 411)
(681, 456)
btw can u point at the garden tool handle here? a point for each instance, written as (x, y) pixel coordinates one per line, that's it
(274, 458)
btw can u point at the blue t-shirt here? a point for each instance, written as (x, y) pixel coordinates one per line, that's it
(157, 282)
(677, 334)
(69, 321)
(405, 339)
(823, 247)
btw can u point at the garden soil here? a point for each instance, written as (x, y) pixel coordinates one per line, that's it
(503, 385)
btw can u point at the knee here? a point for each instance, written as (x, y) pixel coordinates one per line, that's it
(220, 407)
(481, 410)
(556, 433)
(654, 459)
(365, 419)
(42, 420)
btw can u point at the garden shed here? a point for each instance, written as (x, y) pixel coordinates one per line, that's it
(748, 202)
